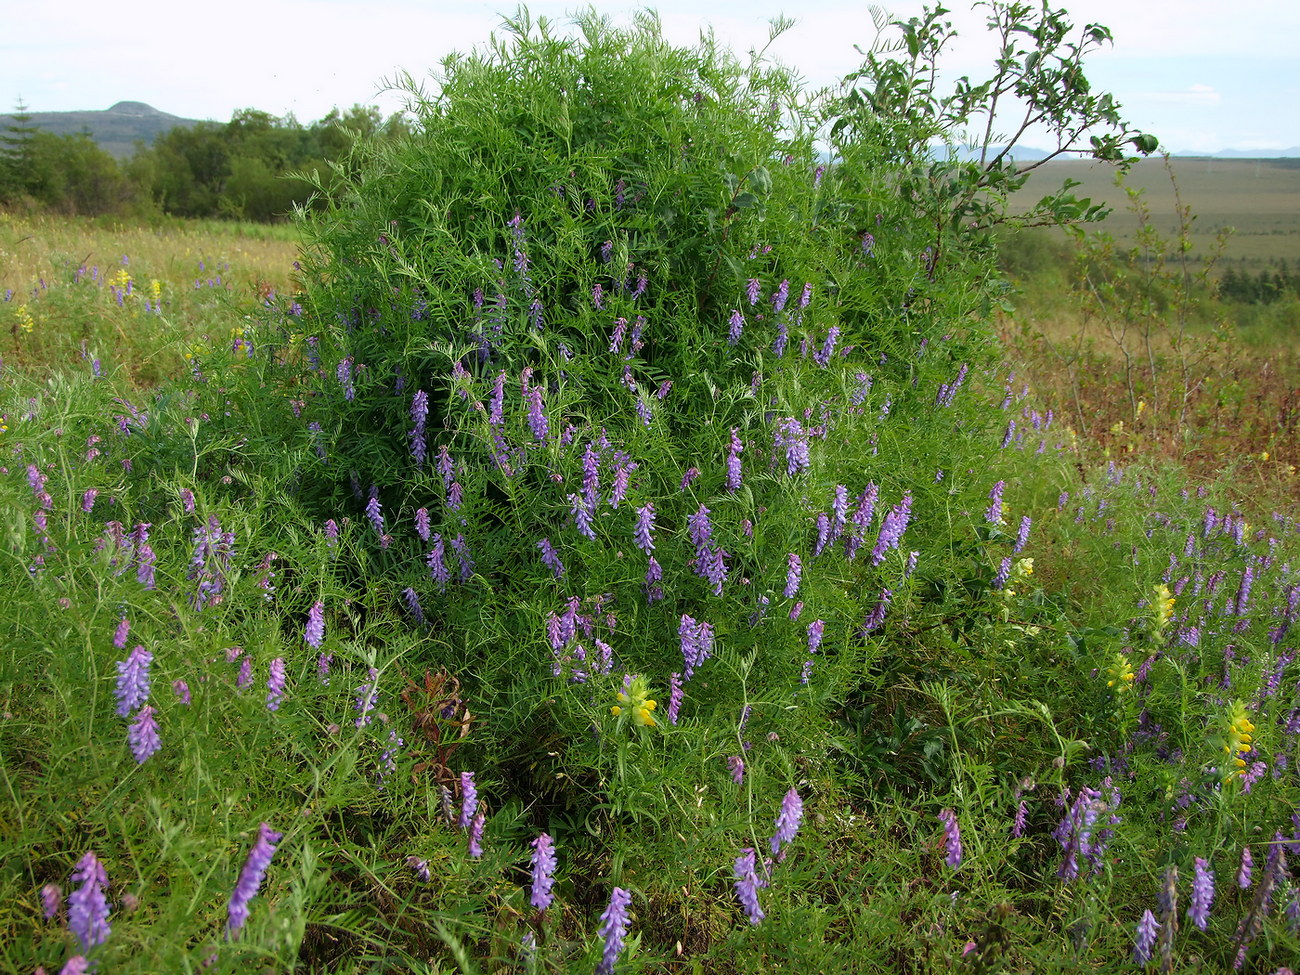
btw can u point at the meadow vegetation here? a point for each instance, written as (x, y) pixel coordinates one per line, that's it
(614, 540)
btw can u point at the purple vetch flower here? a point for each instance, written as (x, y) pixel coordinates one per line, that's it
(1003, 574)
(88, 904)
(51, 899)
(697, 643)
(1244, 871)
(245, 676)
(951, 837)
(366, 699)
(823, 355)
(745, 871)
(77, 964)
(88, 499)
(839, 510)
(420, 868)
(476, 834)
(142, 736)
(412, 600)
(1145, 938)
(912, 558)
(373, 511)
(675, 693)
(121, 633)
(613, 928)
(496, 404)
(250, 878)
(780, 297)
(1086, 829)
(1018, 824)
(793, 575)
(617, 336)
(145, 565)
(787, 822)
(314, 633)
(582, 516)
(815, 630)
(1198, 910)
(591, 476)
(275, 685)
(437, 563)
(537, 422)
(466, 564)
(860, 520)
(892, 528)
(182, 691)
(689, 477)
(877, 614)
(994, 513)
(331, 531)
(133, 680)
(736, 766)
(753, 290)
(323, 668)
(468, 799)
(549, 557)
(737, 326)
(643, 534)
(1022, 536)
(422, 524)
(733, 462)
(543, 862)
(791, 438)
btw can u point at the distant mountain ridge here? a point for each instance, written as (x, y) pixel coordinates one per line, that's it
(115, 130)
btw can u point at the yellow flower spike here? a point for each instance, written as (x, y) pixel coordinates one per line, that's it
(1237, 739)
(636, 696)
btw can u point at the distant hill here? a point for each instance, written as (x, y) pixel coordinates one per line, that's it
(116, 130)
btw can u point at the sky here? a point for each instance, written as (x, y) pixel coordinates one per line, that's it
(1209, 77)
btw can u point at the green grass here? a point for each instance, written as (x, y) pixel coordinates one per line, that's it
(968, 697)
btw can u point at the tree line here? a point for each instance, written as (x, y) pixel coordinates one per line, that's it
(242, 169)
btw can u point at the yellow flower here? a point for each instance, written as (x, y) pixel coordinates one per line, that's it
(1120, 673)
(1162, 611)
(1236, 741)
(636, 698)
(25, 320)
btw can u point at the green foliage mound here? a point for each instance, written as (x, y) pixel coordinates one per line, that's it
(598, 353)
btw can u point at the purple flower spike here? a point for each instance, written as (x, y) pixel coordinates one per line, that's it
(1145, 940)
(951, 837)
(133, 681)
(1202, 894)
(314, 634)
(787, 821)
(737, 326)
(143, 735)
(275, 685)
(745, 871)
(476, 834)
(88, 905)
(543, 872)
(613, 928)
(549, 557)
(121, 633)
(736, 766)
(793, 575)
(51, 897)
(468, 799)
(250, 878)
(645, 525)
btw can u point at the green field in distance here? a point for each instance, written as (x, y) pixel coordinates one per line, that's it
(1258, 198)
